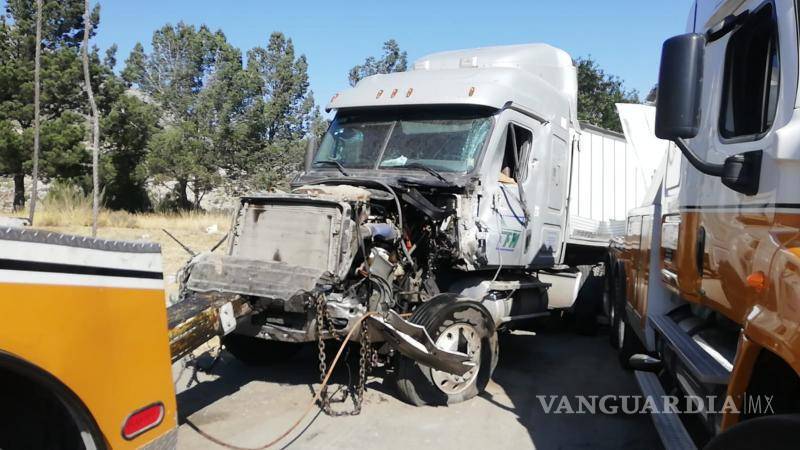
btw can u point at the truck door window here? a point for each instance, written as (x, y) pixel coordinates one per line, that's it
(752, 76)
(517, 152)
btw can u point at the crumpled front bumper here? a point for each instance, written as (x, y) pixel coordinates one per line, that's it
(292, 285)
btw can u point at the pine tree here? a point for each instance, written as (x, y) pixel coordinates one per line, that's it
(598, 94)
(126, 130)
(62, 100)
(196, 78)
(284, 111)
(393, 60)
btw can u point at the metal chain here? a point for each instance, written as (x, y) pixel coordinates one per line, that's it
(323, 365)
(367, 358)
(328, 322)
(362, 369)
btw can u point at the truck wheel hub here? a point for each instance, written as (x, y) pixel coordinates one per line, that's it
(464, 338)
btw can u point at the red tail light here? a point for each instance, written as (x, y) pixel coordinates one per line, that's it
(142, 420)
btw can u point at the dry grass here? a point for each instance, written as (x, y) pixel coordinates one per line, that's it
(192, 220)
(67, 206)
(195, 237)
(71, 213)
(199, 221)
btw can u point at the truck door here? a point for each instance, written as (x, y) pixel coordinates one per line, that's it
(508, 217)
(750, 75)
(554, 217)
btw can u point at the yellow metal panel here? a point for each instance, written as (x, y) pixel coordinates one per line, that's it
(108, 345)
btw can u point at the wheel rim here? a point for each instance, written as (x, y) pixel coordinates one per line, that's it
(620, 332)
(464, 338)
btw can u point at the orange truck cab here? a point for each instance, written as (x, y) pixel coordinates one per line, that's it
(84, 353)
(704, 289)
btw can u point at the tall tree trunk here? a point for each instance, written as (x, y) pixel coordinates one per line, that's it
(87, 25)
(198, 193)
(19, 191)
(36, 88)
(183, 197)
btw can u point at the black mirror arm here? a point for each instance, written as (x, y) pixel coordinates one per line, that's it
(727, 25)
(715, 170)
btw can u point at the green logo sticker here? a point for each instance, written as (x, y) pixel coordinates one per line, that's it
(508, 240)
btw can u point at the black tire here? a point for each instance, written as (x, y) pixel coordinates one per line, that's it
(615, 289)
(629, 345)
(781, 432)
(613, 332)
(415, 382)
(255, 351)
(34, 417)
(589, 302)
(627, 342)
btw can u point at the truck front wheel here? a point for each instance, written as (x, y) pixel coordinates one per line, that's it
(773, 432)
(462, 326)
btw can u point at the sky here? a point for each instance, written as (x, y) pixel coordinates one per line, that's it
(623, 36)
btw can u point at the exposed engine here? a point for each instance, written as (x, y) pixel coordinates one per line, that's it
(366, 247)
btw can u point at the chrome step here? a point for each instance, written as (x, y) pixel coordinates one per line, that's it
(668, 424)
(700, 363)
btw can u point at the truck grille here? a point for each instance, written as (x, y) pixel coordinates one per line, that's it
(298, 234)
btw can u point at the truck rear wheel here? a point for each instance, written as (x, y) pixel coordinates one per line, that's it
(614, 289)
(621, 336)
(628, 342)
(255, 351)
(37, 415)
(589, 302)
(773, 432)
(462, 326)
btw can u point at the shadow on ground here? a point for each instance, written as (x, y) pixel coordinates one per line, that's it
(554, 361)
(222, 377)
(559, 362)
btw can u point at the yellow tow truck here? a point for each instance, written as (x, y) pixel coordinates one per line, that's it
(84, 347)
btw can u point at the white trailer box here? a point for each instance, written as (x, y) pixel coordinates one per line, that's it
(611, 173)
(603, 186)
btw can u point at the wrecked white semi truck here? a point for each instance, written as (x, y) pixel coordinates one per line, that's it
(451, 200)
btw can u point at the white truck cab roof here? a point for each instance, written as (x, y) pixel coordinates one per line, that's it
(536, 78)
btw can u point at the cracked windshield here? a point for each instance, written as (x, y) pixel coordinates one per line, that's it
(447, 141)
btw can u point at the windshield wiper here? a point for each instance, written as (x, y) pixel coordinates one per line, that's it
(331, 162)
(433, 172)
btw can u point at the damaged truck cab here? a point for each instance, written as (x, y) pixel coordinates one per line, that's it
(438, 200)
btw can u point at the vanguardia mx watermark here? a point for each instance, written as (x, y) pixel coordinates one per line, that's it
(667, 404)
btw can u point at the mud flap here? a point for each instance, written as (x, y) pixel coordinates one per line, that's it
(413, 341)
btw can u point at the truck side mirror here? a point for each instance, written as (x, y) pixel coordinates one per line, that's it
(680, 86)
(680, 82)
